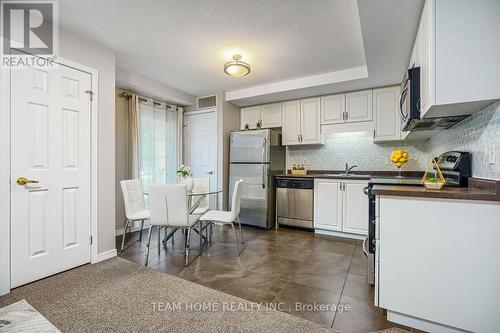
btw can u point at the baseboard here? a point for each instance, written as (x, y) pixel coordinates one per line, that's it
(119, 232)
(106, 255)
(338, 234)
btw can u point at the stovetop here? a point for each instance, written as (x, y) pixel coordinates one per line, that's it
(395, 181)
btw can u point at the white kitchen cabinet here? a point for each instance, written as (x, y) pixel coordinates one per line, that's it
(355, 207)
(270, 114)
(290, 132)
(459, 57)
(333, 109)
(386, 113)
(301, 122)
(358, 106)
(328, 204)
(310, 128)
(341, 206)
(250, 116)
(431, 253)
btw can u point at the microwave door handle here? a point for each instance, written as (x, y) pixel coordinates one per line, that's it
(402, 96)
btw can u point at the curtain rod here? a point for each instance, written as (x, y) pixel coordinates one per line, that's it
(126, 94)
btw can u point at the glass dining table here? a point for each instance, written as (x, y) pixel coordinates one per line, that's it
(199, 195)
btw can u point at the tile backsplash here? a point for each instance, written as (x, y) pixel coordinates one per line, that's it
(475, 134)
(356, 148)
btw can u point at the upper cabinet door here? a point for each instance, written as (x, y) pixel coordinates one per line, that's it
(386, 111)
(358, 106)
(310, 121)
(427, 59)
(290, 123)
(250, 116)
(332, 109)
(271, 115)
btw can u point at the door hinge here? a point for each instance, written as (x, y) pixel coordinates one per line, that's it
(91, 240)
(91, 93)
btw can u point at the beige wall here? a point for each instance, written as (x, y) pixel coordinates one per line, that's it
(89, 53)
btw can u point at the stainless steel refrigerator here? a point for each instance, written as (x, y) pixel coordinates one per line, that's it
(256, 156)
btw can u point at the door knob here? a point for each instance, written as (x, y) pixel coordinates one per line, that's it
(24, 181)
(210, 173)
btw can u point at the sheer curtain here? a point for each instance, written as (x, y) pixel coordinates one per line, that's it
(158, 153)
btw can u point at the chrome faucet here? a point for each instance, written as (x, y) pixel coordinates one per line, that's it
(348, 169)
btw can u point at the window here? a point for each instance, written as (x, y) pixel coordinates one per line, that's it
(157, 144)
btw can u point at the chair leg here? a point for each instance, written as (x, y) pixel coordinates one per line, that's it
(124, 234)
(211, 231)
(206, 232)
(185, 234)
(159, 241)
(148, 245)
(200, 228)
(188, 241)
(236, 240)
(241, 231)
(140, 232)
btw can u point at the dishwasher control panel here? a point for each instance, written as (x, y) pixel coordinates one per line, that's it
(299, 183)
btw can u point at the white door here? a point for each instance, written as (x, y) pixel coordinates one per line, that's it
(200, 147)
(387, 118)
(310, 121)
(51, 140)
(358, 106)
(327, 204)
(250, 116)
(291, 123)
(270, 115)
(332, 109)
(355, 207)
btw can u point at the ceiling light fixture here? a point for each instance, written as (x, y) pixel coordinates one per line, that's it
(236, 68)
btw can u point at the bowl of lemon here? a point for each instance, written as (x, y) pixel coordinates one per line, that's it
(399, 157)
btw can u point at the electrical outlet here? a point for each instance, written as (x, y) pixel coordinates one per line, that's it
(492, 154)
(306, 162)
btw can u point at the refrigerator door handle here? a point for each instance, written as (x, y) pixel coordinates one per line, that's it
(264, 150)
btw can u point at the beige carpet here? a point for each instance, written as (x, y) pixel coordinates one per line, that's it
(119, 296)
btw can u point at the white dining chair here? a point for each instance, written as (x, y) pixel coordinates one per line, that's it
(135, 206)
(169, 209)
(201, 185)
(229, 217)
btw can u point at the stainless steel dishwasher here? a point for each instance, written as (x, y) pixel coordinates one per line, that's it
(295, 202)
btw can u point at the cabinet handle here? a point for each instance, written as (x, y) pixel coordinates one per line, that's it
(346, 115)
(298, 138)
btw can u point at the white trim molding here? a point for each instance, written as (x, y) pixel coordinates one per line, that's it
(105, 256)
(5, 187)
(299, 83)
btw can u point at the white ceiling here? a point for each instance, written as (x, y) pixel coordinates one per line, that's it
(185, 43)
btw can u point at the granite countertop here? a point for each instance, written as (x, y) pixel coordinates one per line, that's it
(337, 175)
(356, 175)
(479, 189)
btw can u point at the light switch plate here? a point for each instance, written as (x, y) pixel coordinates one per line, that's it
(492, 154)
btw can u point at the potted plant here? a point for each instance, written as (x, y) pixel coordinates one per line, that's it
(185, 172)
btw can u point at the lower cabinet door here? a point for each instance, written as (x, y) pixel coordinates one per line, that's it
(355, 207)
(328, 204)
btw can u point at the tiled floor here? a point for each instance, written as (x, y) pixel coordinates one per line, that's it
(283, 266)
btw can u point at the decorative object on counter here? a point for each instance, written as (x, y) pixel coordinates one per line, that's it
(247, 126)
(185, 172)
(433, 178)
(399, 157)
(259, 123)
(299, 170)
